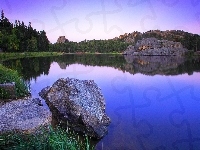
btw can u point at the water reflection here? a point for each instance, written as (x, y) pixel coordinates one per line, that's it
(153, 102)
(163, 65)
(31, 68)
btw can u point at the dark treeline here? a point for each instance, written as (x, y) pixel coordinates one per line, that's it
(17, 37)
(119, 44)
(188, 40)
(90, 46)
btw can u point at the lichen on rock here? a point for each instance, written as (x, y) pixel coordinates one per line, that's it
(155, 47)
(23, 115)
(81, 103)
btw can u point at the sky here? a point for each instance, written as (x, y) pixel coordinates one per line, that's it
(103, 19)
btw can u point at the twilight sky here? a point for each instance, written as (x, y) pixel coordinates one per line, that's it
(103, 19)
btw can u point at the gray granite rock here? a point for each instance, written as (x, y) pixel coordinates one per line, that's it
(24, 115)
(154, 47)
(81, 103)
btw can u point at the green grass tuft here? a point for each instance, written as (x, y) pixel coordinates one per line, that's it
(53, 139)
(8, 76)
(8, 56)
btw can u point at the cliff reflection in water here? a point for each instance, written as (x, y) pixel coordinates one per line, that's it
(31, 68)
(163, 65)
(148, 65)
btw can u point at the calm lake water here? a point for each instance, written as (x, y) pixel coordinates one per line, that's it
(153, 102)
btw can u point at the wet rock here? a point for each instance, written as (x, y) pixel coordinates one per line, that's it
(23, 115)
(79, 102)
(37, 101)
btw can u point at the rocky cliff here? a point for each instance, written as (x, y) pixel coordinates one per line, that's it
(62, 39)
(154, 47)
(188, 40)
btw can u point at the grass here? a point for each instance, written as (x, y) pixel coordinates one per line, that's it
(110, 53)
(8, 76)
(4, 94)
(52, 139)
(7, 56)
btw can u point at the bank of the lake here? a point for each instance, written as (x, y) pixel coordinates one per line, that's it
(8, 56)
(7, 77)
(35, 131)
(45, 139)
(91, 53)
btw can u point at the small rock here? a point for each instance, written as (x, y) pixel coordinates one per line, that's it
(37, 101)
(24, 115)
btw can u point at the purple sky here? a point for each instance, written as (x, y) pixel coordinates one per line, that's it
(103, 19)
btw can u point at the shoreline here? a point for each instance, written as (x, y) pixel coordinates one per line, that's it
(7, 56)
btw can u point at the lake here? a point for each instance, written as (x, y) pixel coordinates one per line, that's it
(153, 102)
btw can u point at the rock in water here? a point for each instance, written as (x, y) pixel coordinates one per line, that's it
(81, 103)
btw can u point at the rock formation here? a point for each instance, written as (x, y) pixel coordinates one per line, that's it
(80, 103)
(24, 115)
(154, 47)
(62, 39)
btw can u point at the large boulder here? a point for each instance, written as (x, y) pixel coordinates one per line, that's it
(24, 115)
(80, 103)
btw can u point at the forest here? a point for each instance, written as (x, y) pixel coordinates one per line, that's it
(119, 44)
(90, 46)
(17, 37)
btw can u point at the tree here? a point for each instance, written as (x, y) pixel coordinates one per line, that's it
(19, 37)
(32, 44)
(13, 42)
